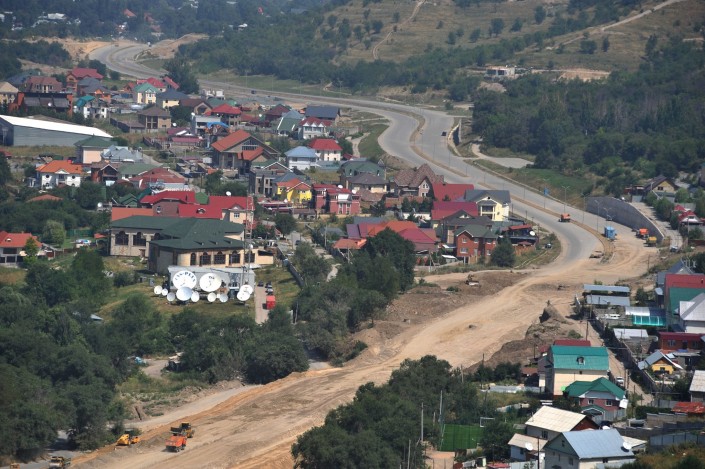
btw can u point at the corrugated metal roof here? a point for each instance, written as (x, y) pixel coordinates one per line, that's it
(698, 383)
(585, 358)
(597, 444)
(606, 288)
(605, 300)
(520, 441)
(643, 311)
(555, 419)
(55, 126)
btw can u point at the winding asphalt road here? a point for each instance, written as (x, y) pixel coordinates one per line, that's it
(415, 135)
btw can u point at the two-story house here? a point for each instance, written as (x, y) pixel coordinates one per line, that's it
(494, 204)
(414, 182)
(293, 190)
(12, 246)
(601, 399)
(301, 158)
(59, 173)
(227, 113)
(474, 242)
(588, 450)
(312, 127)
(331, 199)
(170, 98)
(327, 149)
(154, 119)
(78, 74)
(566, 365)
(330, 113)
(90, 150)
(42, 84)
(659, 363)
(8, 93)
(145, 93)
(239, 150)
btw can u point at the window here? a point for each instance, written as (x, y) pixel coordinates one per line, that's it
(205, 259)
(671, 343)
(544, 434)
(219, 258)
(570, 461)
(591, 401)
(193, 259)
(138, 239)
(10, 251)
(464, 240)
(581, 360)
(610, 402)
(463, 250)
(249, 257)
(235, 257)
(121, 239)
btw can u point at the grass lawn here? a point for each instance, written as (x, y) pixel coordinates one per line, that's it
(369, 146)
(11, 276)
(460, 437)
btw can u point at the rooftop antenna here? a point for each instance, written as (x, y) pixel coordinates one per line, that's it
(158, 290)
(170, 297)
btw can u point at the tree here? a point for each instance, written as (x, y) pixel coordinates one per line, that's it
(539, 14)
(496, 26)
(182, 73)
(54, 233)
(588, 46)
(181, 115)
(89, 194)
(475, 35)
(274, 357)
(605, 44)
(312, 267)
(399, 251)
(503, 255)
(88, 271)
(31, 250)
(517, 25)
(285, 223)
(494, 438)
(377, 26)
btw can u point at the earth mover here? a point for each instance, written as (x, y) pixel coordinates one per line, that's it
(185, 429)
(127, 439)
(59, 462)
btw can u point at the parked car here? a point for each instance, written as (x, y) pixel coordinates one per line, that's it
(260, 283)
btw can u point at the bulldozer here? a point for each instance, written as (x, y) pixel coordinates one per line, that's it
(185, 429)
(127, 439)
(59, 462)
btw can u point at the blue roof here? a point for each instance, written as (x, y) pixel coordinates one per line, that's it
(301, 152)
(595, 444)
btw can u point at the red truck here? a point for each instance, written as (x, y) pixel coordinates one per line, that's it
(176, 443)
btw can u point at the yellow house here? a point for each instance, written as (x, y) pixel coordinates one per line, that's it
(145, 93)
(294, 190)
(659, 363)
(660, 184)
(490, 203)
(568, 364)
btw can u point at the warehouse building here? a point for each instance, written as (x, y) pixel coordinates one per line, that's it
(23, 131)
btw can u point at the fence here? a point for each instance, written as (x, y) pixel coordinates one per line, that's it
(296, 274)
(662, 441)
(622, 213)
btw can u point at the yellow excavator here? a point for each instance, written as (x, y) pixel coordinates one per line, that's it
(127, 439)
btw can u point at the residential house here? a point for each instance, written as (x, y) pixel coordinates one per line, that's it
(522, 237)
(519, 448)
(227, 114)
(170, 98)
(494, 204)
(566, 365)
(686, 217)
(414, 182)
(327, 149)
(443, 211)
(697, 386)
(154, 119)
(117, 154)
(660, 184)
(92, 87)
(131, 170)
(692, 315)
(8, 93)
(359, 166)
(159, 179)
(90, 108)
(198, 106)
(12, 247)
(158, 84)
(659, 363)
(587, 450)
(239, 150)
(275, 113)
(474, 242)
(443, 191)
(301, 158)
(680, 287)
(105, 173)
(59, 173)
(78, 74)
(261, 179)
(331, 113)
(313, 127)
(691, 409)
(293, 190)
(331, 199)
(367, 182)
(601, 399)
(145, 93)
(424, 240)
(171, 84)
(287, 124)
(672, 341)
(42, 84)
(118, 213)
(90, 150)
(55, 100)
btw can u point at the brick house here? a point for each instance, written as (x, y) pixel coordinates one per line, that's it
(154, 119)
(78, 74)
(414, 182)
(331, 199)
(239, 150)
(474, 242)
(601, 399)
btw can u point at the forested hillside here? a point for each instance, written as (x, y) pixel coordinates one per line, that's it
(648, 122)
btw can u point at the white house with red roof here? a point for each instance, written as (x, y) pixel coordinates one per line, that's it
(59, 173)
(11, 246)
(238, 150)
(327, 149)
(313, 127)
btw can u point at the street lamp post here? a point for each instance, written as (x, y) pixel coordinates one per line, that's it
(545, 191)
(565, 196)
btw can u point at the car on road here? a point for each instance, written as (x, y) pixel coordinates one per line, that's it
(260, 283)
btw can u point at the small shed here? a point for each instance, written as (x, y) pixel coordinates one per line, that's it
(270, 302)
(610, 232)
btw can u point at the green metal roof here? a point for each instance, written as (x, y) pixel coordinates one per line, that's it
(142, 87)
(477, 231)
(579, 388)
(567, 357)
(95, 142)
(145, 222)
(135, 168)
(676, 295)
(202, 198)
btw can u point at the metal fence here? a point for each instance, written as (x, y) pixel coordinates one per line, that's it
(622, 213)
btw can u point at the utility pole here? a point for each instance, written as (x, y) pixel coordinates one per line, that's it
(422, 423)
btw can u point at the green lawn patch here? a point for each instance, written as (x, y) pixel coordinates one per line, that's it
(455, 437)
(369, 146)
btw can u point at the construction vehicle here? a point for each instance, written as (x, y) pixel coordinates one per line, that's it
(15, 465)
(59, 462)
(565, 218)
(185, 429)
(651, 241)
(642, 233)
(176, 443)
(127, 439)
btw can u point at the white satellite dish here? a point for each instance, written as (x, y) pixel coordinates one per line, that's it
(165, 291)
(247, 289)
(100, 204)
(158, 290)
(211, 297)
(243, 296)
(626, 446)
(184, 278)
(195, 296)
(171, 297)
(223, 297)
(210, 282)
(228, 193)
(532, 233)
(529, 447)
(183, 293)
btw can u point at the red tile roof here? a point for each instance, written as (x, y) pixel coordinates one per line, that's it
(55, 166)
(226, 202)
(231, 140)
(315, 121)
(345, 243)
(251, 155)
(119, 213)
(200, 211)
(226, 108)
(684, 281)
(572, 342)
(80, 73)
(170, 82)
(43, 197)
(15, 240)
(689, 408)
(184, 197)
(326, 144)
(449, 192)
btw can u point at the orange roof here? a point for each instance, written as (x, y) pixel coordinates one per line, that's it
(15, 240)
(689, 408)
(55, 166)
(49, 197)
(119, 213)
(345, 243)
(395, 225)
(231, 140)
(251, 155)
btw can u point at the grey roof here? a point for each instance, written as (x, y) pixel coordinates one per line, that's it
(594, 444)
(323, 112)
(87, 81)
(606, 288)
(678, 268)
(698, 383)
(477, 231)
(367, 178)
(605, 300)
(654, 357)
(172, 95)
(477, 195)
(288, 176)
(155, 111)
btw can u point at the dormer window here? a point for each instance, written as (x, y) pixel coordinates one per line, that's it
(581, 360)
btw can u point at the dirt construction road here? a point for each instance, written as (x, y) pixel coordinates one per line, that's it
(256, 427)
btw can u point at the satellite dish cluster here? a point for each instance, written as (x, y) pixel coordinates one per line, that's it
(188, 287)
